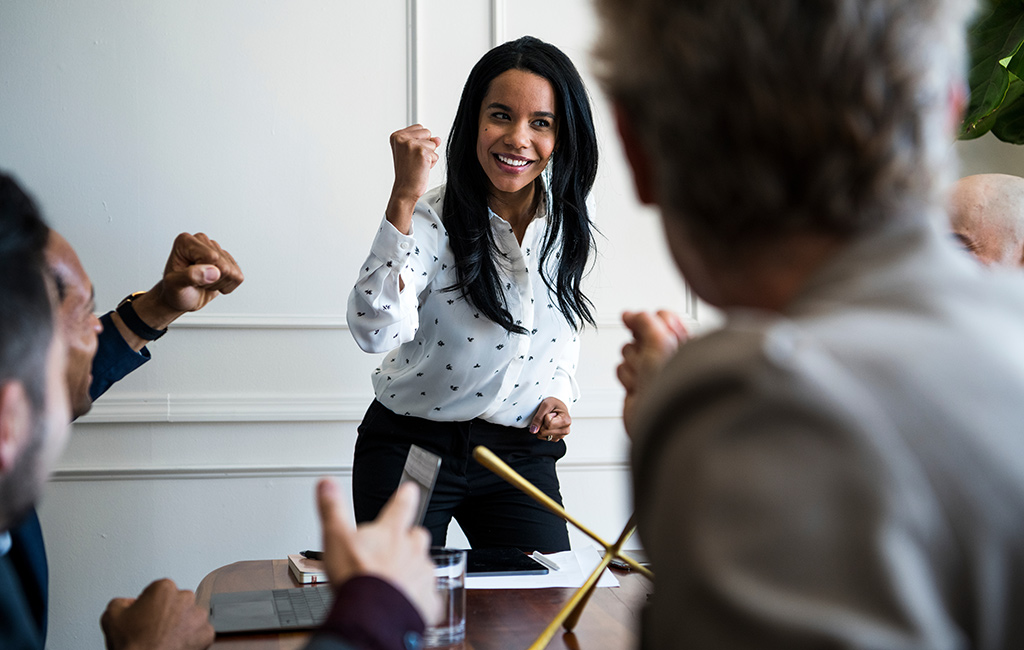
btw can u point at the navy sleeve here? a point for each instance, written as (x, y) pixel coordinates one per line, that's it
(370, 614)
(114, 358)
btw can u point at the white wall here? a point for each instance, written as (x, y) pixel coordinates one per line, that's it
(265, 125)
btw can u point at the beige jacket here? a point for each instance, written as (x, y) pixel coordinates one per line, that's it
(851, 474)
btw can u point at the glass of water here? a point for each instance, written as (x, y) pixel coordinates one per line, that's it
(450, 577)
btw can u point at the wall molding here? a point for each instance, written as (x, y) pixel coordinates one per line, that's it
(338, 322)
(412, 54)
(88, 474)
(225, 407)
(497, 23)
(261, 322)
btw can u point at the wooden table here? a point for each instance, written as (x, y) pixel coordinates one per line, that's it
(496, 619)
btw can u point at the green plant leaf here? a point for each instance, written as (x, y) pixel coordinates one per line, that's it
(1015, 65)
(988, 88)
(1009, 126)
(996, 36)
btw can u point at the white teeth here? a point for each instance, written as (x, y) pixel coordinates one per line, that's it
(512, 162)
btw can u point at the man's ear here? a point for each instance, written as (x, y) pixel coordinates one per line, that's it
(956, 105)
(636, 154)
(15, 423)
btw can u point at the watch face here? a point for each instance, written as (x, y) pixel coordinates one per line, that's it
(130, 297)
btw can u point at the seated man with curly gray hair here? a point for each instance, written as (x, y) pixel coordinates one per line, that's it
(841, 465)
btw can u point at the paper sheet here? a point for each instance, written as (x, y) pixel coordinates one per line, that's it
(574, 567)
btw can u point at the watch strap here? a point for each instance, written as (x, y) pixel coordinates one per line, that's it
(132, 321)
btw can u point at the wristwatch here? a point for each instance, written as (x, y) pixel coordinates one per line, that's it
(127, 313)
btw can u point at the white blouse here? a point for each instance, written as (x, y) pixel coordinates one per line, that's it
(446, 361)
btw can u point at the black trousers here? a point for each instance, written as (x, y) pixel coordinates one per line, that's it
(490, 511)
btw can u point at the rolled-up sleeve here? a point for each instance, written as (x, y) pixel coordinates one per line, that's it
(381, 313)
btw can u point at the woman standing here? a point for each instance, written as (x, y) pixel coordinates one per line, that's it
(473, 289)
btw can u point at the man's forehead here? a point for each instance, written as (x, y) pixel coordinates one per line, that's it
(72, 280)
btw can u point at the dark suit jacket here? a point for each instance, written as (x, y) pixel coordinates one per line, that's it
(18, 629)
(26, 561)
(369, 613)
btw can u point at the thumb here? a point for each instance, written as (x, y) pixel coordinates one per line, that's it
(201, 275)
(197, 275)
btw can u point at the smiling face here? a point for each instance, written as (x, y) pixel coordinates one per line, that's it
(517, 132)
(76, 318)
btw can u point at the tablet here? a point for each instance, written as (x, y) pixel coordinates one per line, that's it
(482, 562)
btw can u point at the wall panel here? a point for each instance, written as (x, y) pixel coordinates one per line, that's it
(266, 124)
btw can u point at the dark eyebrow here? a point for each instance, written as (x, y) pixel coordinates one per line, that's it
(508, 109)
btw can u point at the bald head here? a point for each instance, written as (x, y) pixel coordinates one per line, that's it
(987, 216)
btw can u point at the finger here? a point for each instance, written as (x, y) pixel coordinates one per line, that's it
(159, 588)
(333, 515)
(118, 605)
(399, 513)
(230, 272)
(556, 420)
(626, 376)
(674, 323)
(230, 275)
(410, 133)
(629, 318)
(556, 424)
(645, 326)
(554, 433)
(194, 249)
(631, 354)
(229, 256)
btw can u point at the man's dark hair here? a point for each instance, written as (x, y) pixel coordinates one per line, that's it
(26, 312)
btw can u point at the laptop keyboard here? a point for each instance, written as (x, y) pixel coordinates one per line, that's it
(303, 606)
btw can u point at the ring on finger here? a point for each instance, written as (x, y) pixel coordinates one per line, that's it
(549, 438)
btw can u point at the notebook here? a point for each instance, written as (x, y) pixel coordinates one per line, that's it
(298, 608)
(306, 571)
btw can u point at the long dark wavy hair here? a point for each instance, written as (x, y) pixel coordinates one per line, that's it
(569, 236)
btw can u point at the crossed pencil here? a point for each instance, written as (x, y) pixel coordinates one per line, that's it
(570, 614)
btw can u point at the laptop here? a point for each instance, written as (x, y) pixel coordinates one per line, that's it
(305, 608)
(298, 608)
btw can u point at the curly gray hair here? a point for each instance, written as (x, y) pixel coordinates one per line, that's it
(770, 117)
